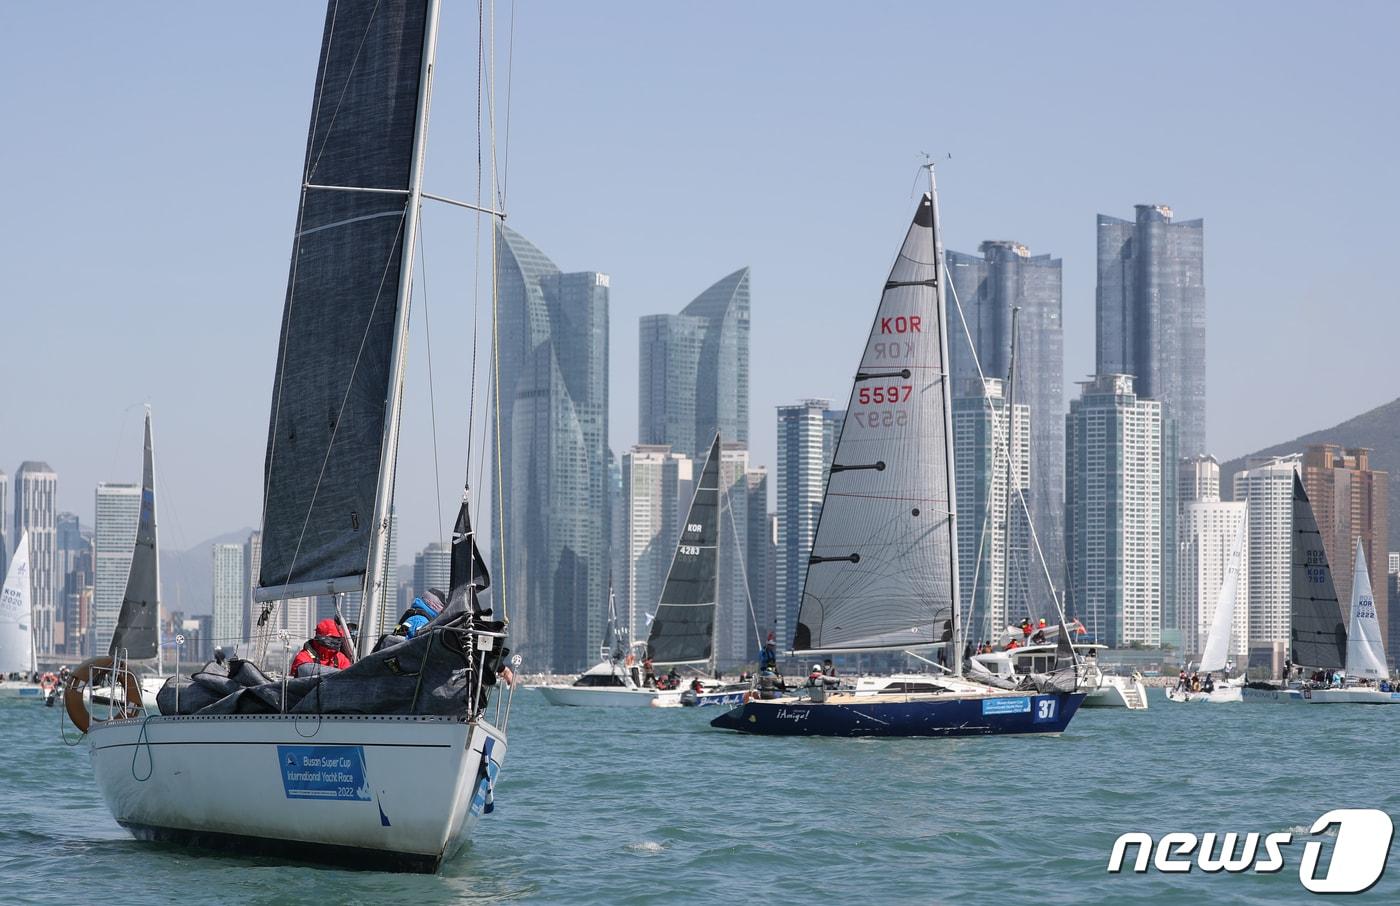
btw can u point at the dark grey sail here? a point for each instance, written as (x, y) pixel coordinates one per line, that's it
(333, 361)
(880, 575)
(683, 630)
(468, 579)
(1319, 634)
(137, 635)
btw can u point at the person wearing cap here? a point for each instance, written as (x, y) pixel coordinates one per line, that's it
(322, 654)
(420, 613)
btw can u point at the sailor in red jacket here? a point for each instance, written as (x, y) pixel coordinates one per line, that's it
(322, 654)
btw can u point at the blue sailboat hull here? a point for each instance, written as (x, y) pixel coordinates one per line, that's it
(873, 716)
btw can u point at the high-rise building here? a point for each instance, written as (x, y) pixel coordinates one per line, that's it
(229, 626)
(1113, 506)
(807, 435)
(657, 486)
(1392, 587)
(551, 529)
(72, 547)
(117, 511)
(995, 562)
(1151, 313)
(252, 563)
(988, 289)
(1266, 485)
(1207, 531)
(1349, 500)
(432, 568)
(36, 495)
(694, 367)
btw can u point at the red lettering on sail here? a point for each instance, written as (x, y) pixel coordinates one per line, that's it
(902, 324)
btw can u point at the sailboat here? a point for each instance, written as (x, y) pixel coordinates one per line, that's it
(1215, 656)
(137, 634)
(882, 574)
(1367, 677)
(682, 631)
(1318, 634)
(18, 662)
(391, 762)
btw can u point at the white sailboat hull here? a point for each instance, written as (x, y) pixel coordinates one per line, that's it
(16, 689)
(401, 793)
(1354, 696)
(1116, 692)
(610, 697)
(1288, 696)
(1221, 695)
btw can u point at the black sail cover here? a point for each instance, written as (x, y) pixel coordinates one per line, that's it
(137, 633)
(469, 578)
(333, 361)
(1319, 634)
(683, 630)
(880, 571)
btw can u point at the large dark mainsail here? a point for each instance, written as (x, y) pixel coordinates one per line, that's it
(1319, 634)
(683, 630)
(334, 365)
(881, 572)
(137, 635)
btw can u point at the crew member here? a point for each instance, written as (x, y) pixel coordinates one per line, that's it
(322, 653)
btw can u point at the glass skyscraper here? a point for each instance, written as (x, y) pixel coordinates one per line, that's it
(694, 367)
(36, 494)
(987, 288)
(807, 434)
(551, 514)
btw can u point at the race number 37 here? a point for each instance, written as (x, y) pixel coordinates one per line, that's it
(1045, 709)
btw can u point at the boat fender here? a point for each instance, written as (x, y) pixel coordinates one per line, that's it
(82, 677)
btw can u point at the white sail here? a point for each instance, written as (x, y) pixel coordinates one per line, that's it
(16, 618)
(882, 567)
(1365, 648)
(1217, 648)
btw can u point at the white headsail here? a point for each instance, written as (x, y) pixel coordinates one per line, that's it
(1217, 649)
(1365, 648)
(16, 619)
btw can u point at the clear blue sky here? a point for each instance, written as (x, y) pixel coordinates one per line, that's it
(151, 155)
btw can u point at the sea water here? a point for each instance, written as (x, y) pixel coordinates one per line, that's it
(652, 806)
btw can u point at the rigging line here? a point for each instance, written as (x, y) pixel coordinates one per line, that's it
(496, 325)
(432, 398)
(476, 249)
(1005, 450)
(510, 71)
(340, 413)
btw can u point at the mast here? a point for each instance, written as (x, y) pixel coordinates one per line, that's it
(1010, 466)
(943, 377)
(388, 454)
(155, 542)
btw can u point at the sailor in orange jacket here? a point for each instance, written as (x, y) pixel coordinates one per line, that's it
(322, 653)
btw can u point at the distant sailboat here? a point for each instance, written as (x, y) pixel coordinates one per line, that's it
(1215, 657)
(882, 573)
(1318, 634)
(314, 767)
(1366, 669)
(18, 662)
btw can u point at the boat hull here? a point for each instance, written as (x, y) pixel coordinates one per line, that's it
(1272, 696)
(610, 697)
(1352, 696)
(705, 699)
(1222, 695)
(393, 793)
(1117, 692)
(14, 691)
(913, 715)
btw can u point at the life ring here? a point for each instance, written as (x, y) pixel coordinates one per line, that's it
(82, 678)
(47, 682)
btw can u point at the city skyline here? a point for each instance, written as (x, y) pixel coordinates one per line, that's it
(816, 256)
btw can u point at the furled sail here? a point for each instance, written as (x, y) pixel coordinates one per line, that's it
(16, 618)
(1319, 635)
(880, 573)
(683, 630)
(138, 624)
(333, 361)
(1217, 650)
(1365, 647)
(468, 576)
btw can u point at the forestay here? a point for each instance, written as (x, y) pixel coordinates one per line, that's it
(137, 632)
(333, 361)
(1217, 649)
(1365, 648)
(16, 619)
(683, 629)
(1319, 635)
(881, 568)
